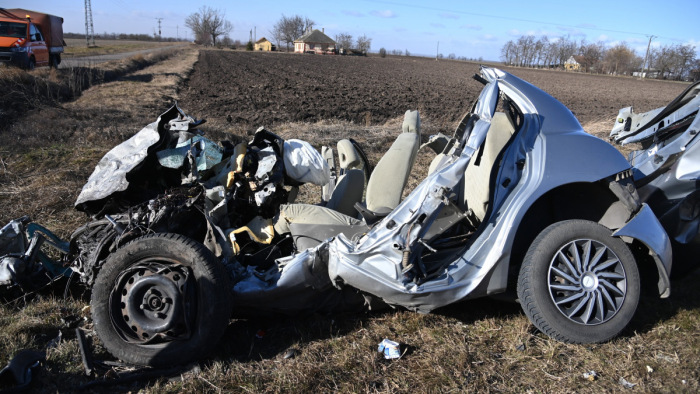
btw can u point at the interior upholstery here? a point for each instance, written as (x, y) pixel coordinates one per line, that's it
(478, 173)
(347, 155)
(389, 177)
(348, 191)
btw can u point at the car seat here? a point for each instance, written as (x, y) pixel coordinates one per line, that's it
(310, 224)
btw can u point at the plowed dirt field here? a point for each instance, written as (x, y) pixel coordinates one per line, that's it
(268, 88)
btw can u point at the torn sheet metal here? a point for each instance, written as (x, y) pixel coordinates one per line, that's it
(297, 284)
(658, 124)
(22, 262)
(111, 175)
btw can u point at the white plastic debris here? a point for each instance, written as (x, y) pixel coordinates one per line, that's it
(304, 164)
(650, 369)
(590, 375)
(390, 349)
(626, 384)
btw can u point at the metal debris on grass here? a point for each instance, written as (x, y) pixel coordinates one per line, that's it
(626, 384)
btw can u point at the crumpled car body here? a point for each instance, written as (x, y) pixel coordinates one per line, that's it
(520, 199)
(666, 168)
(548, 160)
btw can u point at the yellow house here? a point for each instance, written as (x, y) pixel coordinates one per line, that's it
(264, 44)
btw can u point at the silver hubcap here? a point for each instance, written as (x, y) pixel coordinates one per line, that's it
(587, 282)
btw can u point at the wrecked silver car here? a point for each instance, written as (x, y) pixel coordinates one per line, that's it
(667, 167)
(518, 199)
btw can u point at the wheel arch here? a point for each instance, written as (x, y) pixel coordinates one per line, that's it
(593, 201)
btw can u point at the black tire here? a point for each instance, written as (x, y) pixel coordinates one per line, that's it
(588, 301)
(31, 64)
(53, 61)
(161, 300)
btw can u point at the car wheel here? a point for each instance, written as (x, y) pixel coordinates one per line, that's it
(53, 61)
(578, 284)
(31, 64)
(161, 299)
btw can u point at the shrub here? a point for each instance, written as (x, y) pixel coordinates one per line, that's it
(382, 52)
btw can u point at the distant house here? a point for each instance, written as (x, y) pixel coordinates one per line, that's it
(264, 44)
(315, 41)
(573, 63)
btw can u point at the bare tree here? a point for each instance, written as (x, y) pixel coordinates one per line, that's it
(621, 59)
(694, 73)
(288, 29)
(508, 53)
(591, 55)
(344, 40)
(208, 22)
(526, 45)
(202, 38)
(673, 61)
(686, 60)
(564, 48)
(363, 43)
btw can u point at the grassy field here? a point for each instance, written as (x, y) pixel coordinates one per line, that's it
(485, 345)
(76, 47)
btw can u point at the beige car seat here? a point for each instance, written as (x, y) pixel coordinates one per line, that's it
(476, 192)
(389, 177)
(384, 190)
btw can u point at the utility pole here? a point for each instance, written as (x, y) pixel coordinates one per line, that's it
(437, 51)
(89, 29)
(177, 32)
(646, 57)
(160, 37)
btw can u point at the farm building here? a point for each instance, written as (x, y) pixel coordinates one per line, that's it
(264, 44)
(315, 41)
(573, 63)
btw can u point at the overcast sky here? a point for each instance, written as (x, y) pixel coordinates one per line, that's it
(466, 28)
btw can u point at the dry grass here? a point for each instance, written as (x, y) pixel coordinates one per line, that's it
(76, 47)
(481, 345)
(46, 156)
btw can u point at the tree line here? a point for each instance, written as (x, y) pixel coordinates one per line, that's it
(672, 61)
(123, 36)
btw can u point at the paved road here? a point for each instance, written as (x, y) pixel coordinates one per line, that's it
(67, 62)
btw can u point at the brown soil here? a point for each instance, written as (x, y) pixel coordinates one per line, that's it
(269, 88)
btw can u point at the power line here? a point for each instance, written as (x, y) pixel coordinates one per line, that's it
(508, 18)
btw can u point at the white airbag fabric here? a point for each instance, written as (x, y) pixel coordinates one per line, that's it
(304, 164)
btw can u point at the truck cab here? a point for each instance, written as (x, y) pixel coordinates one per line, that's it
(26, 39)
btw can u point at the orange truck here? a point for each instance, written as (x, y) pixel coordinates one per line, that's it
(30, 39)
